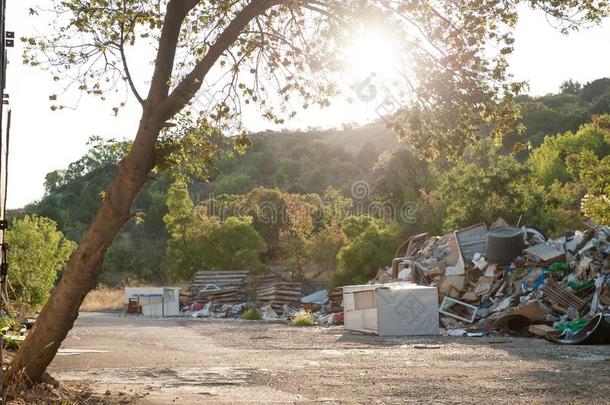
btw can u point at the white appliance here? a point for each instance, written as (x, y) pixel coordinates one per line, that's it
(393, 309)
(155, 301)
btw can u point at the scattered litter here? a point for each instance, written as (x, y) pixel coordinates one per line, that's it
(318, 298)
(595, 332)
(427, 346)
(76, 352)
(456, 332)
(502, 280)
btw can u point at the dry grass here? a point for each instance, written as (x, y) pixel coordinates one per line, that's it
(104, 299)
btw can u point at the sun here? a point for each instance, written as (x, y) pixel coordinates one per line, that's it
(371, 52)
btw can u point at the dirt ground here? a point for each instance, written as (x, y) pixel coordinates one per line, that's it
(190, 361)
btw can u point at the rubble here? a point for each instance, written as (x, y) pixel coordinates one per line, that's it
(512, 280)
(277, 293)
(229, 294)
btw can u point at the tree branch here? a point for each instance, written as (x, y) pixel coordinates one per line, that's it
(127, 72)
(177, 11)
(188, 87)
(132, 85)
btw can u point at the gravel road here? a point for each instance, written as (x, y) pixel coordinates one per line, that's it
(189, 361)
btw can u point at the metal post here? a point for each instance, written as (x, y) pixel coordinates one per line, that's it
(2, 213)
(6, 41)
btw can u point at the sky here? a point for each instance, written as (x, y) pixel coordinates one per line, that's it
(43, 140)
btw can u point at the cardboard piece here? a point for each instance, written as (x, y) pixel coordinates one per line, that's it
(543, 330)
(546, 253)
(446, 283)
(535, 311)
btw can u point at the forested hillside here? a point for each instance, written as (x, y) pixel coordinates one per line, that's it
(566, 110)
(323, 204)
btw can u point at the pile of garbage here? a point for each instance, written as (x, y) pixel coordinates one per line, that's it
(503, 279)
(513, 280)
(236, 294)
(323, 309)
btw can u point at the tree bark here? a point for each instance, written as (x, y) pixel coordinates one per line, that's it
(84, 267)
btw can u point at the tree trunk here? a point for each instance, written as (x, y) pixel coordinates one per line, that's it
(82, 271)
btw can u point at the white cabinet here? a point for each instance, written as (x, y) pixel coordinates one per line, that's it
(394, 309)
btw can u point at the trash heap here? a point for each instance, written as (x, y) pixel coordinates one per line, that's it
(278, 293)
(229, 294)
(267, 296)
(513, 280)
(223, 287)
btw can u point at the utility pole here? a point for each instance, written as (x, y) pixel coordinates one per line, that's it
(7, 40)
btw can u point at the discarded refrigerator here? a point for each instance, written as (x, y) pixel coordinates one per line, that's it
(155, 301)
(394, 309)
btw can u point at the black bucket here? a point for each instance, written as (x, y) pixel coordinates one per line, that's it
(504, 244)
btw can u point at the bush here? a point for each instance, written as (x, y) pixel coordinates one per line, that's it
(234, 244)
(360, 259)
(251, 315)
(10, 343)
(302, 318)
(11, 323)
(38, 252)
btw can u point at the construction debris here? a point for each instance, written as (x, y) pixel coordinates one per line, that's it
(276, 293)
(511, 280)
(201, 279)
(228, 294)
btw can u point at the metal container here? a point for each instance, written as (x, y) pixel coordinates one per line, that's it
(504, 244)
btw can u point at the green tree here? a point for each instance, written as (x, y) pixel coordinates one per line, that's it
(550, 161)
(399, 176)
(233, 184)
(365, 253)
(37, 254)
(231, 245)
(570, 87)
(298, 225)
(179, 222)
(472, 193)
(323, 247)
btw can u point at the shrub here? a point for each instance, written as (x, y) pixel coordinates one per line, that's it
(10, 343)
(38, 252)
(360, 259)
(251, 315)
(302, 318)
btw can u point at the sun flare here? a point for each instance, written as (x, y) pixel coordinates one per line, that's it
(371, 52)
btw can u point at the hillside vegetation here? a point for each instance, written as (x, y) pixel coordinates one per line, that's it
(335, 204)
